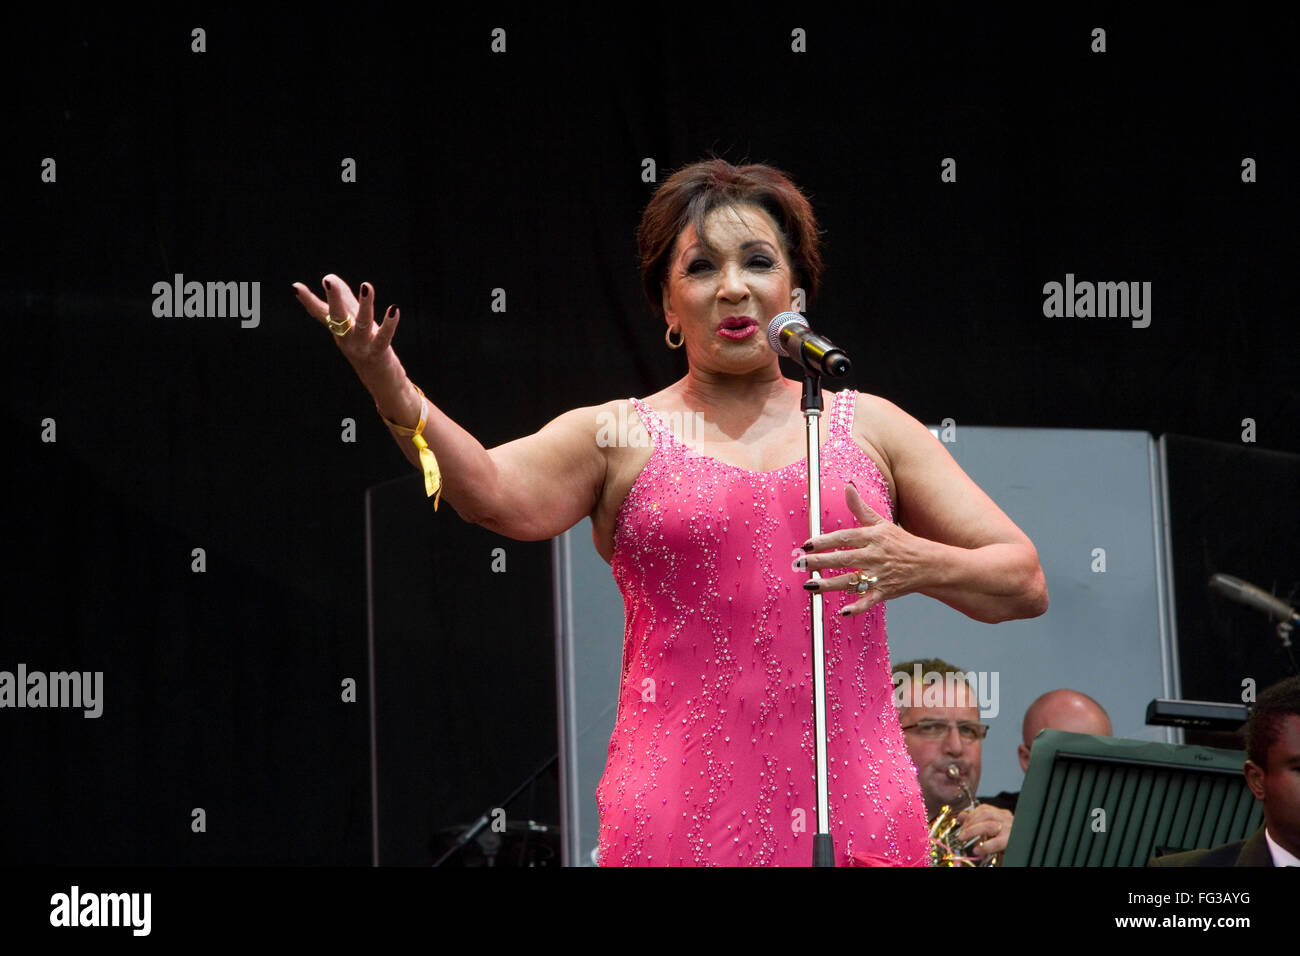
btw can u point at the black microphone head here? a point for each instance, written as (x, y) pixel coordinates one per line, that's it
(777, 324)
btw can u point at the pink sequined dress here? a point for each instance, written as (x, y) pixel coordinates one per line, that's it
(711, 761)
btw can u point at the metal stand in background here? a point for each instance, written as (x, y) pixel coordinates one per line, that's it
(823, 842)
(473, 830)
(1284, 629)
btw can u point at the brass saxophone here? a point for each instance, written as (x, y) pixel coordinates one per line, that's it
(944, 848)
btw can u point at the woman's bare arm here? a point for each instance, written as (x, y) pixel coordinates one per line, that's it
(528, 489)
(950, 541)
(977, 560)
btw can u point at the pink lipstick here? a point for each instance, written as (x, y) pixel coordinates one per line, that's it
(738, 327)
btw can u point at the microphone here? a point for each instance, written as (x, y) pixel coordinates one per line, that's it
(788, 334)
(1251, 596)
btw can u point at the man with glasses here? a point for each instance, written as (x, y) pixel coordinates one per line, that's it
(942, 729)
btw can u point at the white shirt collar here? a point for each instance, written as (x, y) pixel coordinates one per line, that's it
(1280, 856)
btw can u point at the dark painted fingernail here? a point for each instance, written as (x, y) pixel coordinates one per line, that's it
(844, 612)
(389, 313)
(800, 564)
(807, 546)
(327, 285)
(811, 585)
(365, 293)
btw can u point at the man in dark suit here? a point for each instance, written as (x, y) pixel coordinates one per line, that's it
(1273, 775)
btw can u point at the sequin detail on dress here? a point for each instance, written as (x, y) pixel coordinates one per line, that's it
(711, 761)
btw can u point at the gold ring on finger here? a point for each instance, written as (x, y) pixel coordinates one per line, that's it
(861, 583)
(339, 327)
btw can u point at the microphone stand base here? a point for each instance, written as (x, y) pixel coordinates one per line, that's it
(823, 849)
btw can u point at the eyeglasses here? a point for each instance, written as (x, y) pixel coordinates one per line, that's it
(937, 729)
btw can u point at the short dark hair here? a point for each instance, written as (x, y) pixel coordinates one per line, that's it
(928, 665)
(1264, 725)
(694, 191)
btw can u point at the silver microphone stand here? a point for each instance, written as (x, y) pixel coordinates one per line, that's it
(811, 404)
(788, 334)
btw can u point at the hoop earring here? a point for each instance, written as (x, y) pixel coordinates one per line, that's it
(681, 339)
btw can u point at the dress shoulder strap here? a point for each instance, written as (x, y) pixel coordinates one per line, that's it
(650, 418)
(841, 423)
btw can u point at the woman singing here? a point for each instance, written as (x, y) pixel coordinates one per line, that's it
(704, 523)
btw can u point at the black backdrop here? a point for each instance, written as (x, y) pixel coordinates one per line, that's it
(1232, 511)
(522, 171)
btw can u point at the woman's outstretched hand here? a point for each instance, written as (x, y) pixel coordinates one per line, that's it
(366, 344)
(878, 549)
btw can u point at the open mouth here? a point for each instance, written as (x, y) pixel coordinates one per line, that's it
(738, 327)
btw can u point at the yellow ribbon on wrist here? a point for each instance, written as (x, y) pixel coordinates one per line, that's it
(428, 463)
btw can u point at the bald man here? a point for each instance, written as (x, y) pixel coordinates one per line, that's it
(1061, 709)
